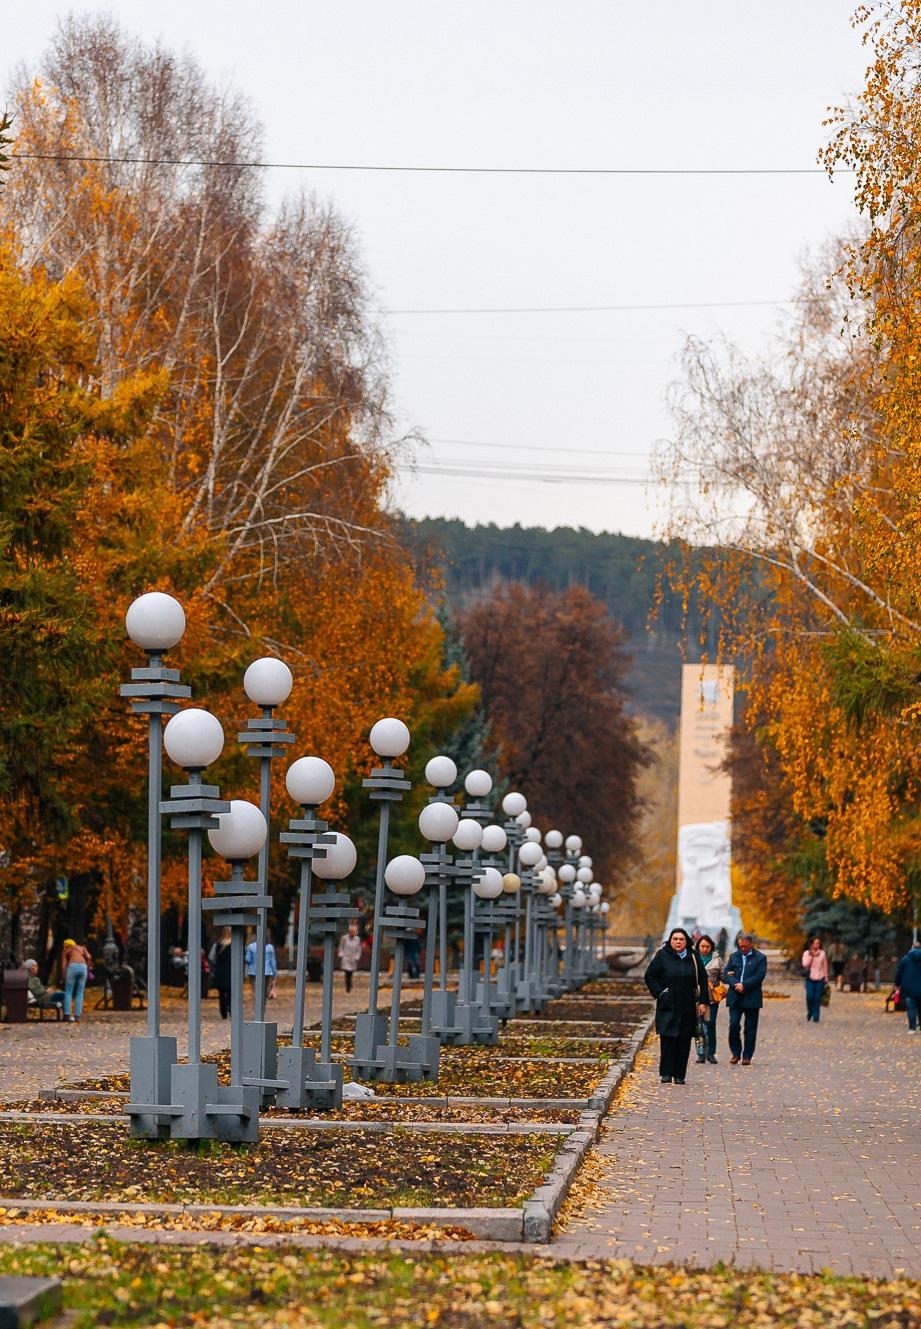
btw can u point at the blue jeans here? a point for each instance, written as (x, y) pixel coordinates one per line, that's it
(911, 1006)
(74, 983)
(814, 989)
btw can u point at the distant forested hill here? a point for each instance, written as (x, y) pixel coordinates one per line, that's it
(620, 571)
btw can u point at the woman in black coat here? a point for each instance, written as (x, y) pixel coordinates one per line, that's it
(677, 979)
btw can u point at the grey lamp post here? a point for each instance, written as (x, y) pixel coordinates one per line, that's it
(155, 622)
(200, 1109)
(267, 682)
(438, 822)
(389, 739)
(500, 1000)
(487, 888)
(329, 911)
(470, 1023)
(302, 1083)
(530, 995)
(604, 907)
(241, 833)
(404, 876)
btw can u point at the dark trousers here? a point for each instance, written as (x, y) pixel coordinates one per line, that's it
(223, 998)
(814, 989)
(711, 1029)
(348, 979)
(673, 1056)
(744, 1050)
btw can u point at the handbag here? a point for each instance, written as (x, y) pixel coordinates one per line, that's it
(718, 992)
(825, 999)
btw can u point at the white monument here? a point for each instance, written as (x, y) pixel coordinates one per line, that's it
(703, 888)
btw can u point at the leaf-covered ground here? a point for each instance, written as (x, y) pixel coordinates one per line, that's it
(406, 1111)
(127, 1286)
(99, 1161)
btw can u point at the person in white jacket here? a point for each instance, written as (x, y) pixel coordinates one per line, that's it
(349, 953)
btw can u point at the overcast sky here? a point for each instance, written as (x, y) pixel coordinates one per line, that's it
(591, 83)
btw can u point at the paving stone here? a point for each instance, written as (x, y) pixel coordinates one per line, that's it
(806, 1160)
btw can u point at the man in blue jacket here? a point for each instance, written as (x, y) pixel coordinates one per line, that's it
(908, 981)
(744, 973)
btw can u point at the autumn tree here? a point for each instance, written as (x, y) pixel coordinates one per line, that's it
(268, 444)
(550, 666)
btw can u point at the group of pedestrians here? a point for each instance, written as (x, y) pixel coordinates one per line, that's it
(76, 963)
(689, 982)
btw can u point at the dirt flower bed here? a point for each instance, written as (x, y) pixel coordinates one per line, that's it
(99, 1161)
(594, 1008)
(106, 1283)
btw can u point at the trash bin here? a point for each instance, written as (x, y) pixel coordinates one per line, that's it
(122, 986)
(15, 995)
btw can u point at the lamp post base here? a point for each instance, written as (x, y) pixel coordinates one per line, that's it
(395, 1064)
(204, 1110)
(472, 1025)
(152, 1060)
(309, 1083)
(259, 1055)
(370, 1033)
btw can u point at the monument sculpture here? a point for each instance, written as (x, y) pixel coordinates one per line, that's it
(703, 887)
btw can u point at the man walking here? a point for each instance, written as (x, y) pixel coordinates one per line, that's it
(744, 973)
(908, 981)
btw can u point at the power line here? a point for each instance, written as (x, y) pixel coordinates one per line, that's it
(523, 473)
(432, 169)
(530, 447)
(602, 309)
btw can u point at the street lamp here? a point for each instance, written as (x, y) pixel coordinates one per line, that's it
(194, 739)
(239, 835)
(155, 622)
(389, 739)
(302, 1083)
(405, 877)
(329, 911)
(488, 887)
(472, 1024)
(267, 682)
(438, 822)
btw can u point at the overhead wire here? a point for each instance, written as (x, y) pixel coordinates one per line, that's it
(429, 168)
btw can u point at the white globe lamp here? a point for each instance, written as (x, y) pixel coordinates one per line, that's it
(193, 739)
(310, 781)
(440, 772)
(566, 872)
(573, 845)
(514, 804)
(469, 835)
(546, 882)
(389, 737)
(542, 862)
(438, 822)
(532, 833)
(240, 833)
(578, 898)
(511, 882)
(584, 874)
(530, 854)
(268, 681)
(155, 621)
(585, 861)
(494, 839)
(487, 885)
(553, 839)
(604, 906)
(478, 784)
(404, 875)
(339, 860)
(524, 819)
(556, 899)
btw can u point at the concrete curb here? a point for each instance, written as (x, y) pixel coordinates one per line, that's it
(381, 1126)
(498, 1224)
(542, 1207)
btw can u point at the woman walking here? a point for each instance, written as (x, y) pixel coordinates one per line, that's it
(75, 961)
(713, 963)
(221, 967)
(678, 980)
(815, 972)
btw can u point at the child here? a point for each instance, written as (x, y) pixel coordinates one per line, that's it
(350, 953)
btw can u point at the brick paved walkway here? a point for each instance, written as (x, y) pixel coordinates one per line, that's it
(808, 1159)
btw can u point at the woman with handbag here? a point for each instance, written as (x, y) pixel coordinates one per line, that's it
(713, 963)
(677, 979)
(815, 973)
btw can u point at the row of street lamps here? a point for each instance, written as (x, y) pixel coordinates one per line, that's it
(513, 883)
